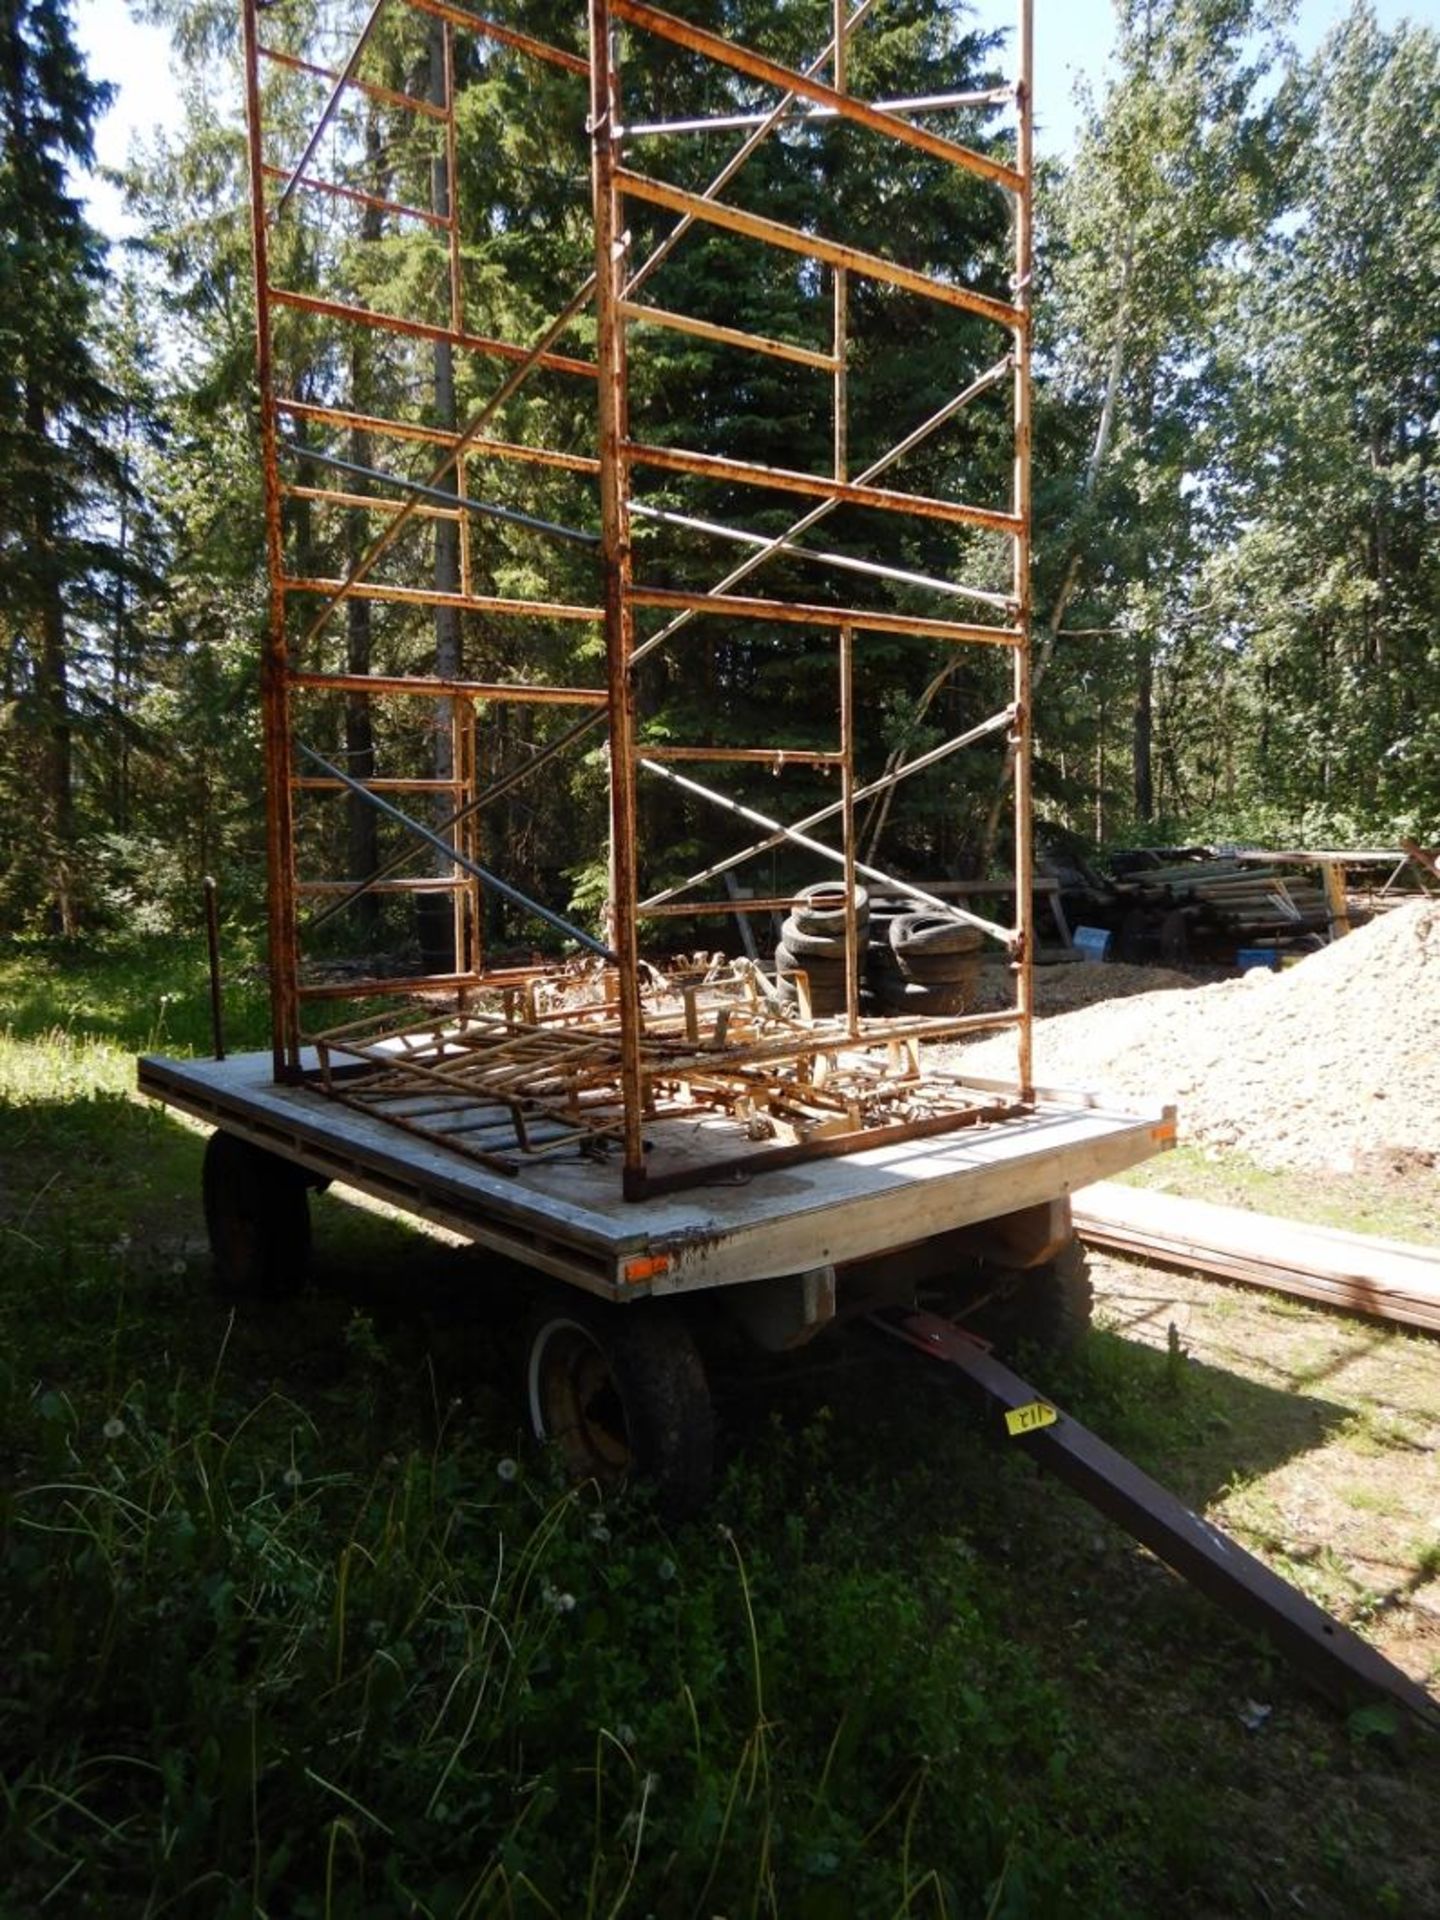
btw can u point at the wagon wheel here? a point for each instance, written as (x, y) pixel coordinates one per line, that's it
(1048, 1306)
(257, 1216)
(622, 1391)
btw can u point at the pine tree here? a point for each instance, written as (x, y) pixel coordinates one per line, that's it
(54, 408)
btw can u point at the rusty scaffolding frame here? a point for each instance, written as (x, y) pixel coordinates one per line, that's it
(536, 1070)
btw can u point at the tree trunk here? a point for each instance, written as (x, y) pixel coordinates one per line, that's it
(1143, 731)
(52, 691)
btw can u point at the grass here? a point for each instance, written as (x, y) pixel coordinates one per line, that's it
(294, 1623)
(1394, 1209)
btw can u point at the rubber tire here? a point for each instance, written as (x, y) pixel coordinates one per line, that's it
(937, 969)
(643, 1389)
(828, 920)
(257, 1216)
(932, 933)
(820, 965)
(1048, 1306)
(815, 946)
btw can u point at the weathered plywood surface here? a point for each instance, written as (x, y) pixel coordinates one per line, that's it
(568, 1217)
(1361, 1273)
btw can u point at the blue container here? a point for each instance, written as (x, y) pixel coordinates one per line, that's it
(1248, 957)
(1093, 942)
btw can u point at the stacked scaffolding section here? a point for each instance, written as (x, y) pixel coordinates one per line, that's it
(426, 484)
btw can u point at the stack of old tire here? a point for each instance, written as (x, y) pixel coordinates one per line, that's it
(921, 961)
(812, 941)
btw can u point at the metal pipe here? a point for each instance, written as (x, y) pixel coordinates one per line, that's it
(481, 343)
(536, 354)
(913, 439)
(502, 887)
(733, 122)
(847, 562)
(813, 246)
(481, 507)
(711, 46)
(886, 781)
(282, 934)
(1024, 719)
(713, 466)
(388, 95)
(615, 569)
(797, 613)
(946, 907)
(495, 791)
(212, 942)
(347, 74)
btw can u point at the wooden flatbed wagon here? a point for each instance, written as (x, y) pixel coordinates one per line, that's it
(977, 1220)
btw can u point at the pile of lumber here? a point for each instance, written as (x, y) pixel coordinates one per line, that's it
(1247, 898)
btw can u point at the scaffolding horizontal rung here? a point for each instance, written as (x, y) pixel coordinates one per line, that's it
(775, 757)
(365, 502)
(744, 60)
(316, 783)
(813, 246)
(360, 199)
(424, 330)
(852, 493)
(432, 685)
(795, 613)
(727, 336)
(388, 95)
(506, 36)
(476, 448)
(437, 597)
(405, 983)
(419, 883)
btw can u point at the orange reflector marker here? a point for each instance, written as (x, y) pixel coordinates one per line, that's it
(646, 1268)
(1165, 1131)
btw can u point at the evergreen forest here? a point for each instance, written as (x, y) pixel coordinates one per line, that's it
(1237, 425)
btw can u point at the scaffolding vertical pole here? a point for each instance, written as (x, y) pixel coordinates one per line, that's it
(457, 286)
(283, 933)
(839, 348)
(615, 576)
(1024, 813)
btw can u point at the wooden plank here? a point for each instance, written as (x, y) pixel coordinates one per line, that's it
(1357, 1273)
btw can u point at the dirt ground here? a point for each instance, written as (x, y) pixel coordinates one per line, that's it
(1347, 1504)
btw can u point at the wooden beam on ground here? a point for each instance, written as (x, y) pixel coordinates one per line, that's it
(1352, 1272)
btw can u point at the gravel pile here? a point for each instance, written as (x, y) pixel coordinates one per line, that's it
(1331, 1065)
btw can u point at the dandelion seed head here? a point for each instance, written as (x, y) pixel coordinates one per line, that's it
(508, 1470)
(666, 1569)
(293, 1477)
(113, 1429)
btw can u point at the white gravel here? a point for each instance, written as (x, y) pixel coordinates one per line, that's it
(1331, 1065)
